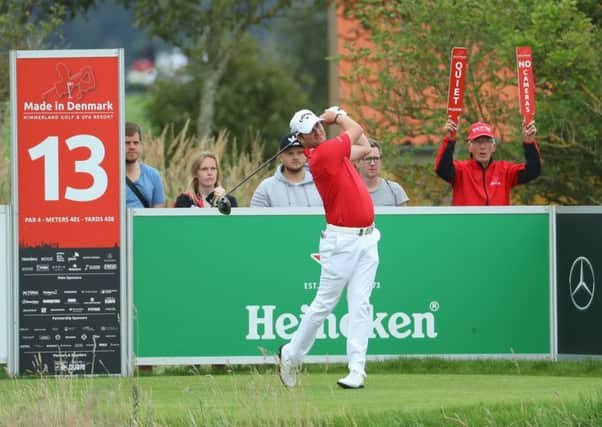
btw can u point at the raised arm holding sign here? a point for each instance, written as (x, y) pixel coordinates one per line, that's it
(481, 180)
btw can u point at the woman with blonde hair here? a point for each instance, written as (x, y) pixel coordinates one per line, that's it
(203, 188)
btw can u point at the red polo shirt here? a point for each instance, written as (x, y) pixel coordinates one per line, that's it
(346, 199)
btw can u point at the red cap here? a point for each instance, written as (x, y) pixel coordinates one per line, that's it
(480, 129)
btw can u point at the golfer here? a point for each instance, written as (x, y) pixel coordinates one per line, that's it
(348, 245)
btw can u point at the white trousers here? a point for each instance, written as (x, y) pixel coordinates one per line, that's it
(348, 261)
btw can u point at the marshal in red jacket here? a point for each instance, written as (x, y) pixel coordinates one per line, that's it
(475, 185)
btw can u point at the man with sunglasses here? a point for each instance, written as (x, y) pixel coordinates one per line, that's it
(482, 181)
(348, 245)
(383, 191)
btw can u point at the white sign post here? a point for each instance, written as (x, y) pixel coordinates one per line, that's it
(4, 263)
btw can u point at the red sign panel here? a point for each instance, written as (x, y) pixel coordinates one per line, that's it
(526, 83)
(68, 144)
(66, 133)
(457, 75)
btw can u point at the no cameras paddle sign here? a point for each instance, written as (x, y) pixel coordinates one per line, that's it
(457, 75)
(526, 84)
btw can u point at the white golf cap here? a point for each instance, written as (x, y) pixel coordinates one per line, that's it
(304, 121)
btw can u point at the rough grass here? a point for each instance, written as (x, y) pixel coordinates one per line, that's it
(416, 392)
(430, 365)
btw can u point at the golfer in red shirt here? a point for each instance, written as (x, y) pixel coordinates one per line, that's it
(348, 245)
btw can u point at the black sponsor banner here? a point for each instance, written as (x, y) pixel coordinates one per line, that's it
(579, 269)
(69, 317)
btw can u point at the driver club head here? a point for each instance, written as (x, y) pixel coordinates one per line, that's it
(224, 206)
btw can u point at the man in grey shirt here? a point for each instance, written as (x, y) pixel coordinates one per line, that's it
(382, 191)
(292, 185)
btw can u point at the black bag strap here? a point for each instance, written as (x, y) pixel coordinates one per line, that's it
(137, 192)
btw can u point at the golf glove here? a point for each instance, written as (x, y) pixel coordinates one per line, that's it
(337, 110)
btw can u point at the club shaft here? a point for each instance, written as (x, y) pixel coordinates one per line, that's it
(260, 167)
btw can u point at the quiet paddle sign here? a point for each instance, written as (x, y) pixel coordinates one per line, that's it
(526, 84)
(457, 75)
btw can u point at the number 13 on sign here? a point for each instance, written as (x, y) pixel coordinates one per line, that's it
(49, 150)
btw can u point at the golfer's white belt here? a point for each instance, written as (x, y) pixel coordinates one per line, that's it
(358, 231)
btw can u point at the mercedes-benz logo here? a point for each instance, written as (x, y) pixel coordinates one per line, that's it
(582, 283)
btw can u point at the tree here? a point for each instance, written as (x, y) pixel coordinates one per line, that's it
(208, 32)
(25, 24)
(290, 41)
(19, 31)
(403, 79)
(259, 96)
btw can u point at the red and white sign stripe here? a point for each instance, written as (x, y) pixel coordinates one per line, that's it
(457, 75)
(526, 83)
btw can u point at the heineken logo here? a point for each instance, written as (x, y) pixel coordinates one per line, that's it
(266, 323)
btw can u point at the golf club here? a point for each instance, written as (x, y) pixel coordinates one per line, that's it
(223, 203)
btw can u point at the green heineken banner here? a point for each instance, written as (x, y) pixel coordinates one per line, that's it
(458, 282)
